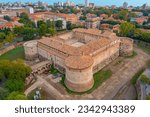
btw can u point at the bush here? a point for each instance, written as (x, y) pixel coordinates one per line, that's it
(14, 85)
(136, 76)
(16, 96)
(3, 93)
(145, 79)
(53, 70)
(1, 75)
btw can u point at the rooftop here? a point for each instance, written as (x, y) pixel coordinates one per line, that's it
(78, 48)
(88, 31)
(79, 62)
(30, 43)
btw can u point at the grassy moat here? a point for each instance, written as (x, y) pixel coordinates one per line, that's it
(17, 53)
(146, 49)
(99, 78)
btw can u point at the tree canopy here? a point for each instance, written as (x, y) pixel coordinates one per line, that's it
(126, 29)
(3, 93)
(8, 18)
(16, 96)
(15, 72)
(129, 30)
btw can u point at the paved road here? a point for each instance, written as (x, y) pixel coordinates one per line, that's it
(127, 92)
(42, 82)
(37, 84)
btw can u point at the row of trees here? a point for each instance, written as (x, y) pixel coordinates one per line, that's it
(32, 30)
(121, 14)
(129, 30)
(6, 38)
(13, 74)
(71, 26)
(66, 9)
(42, 28)
(111, 22)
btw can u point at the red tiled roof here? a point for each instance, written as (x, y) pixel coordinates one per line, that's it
(103, 15)
(15, 18)
(52, 13)
(140, 20)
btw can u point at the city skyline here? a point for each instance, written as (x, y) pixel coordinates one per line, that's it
(97, 2)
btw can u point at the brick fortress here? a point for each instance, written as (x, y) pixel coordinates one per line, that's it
(79, 54)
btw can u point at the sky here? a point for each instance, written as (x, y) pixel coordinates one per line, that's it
(97, 2)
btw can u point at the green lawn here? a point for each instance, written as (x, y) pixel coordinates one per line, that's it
(53, 70)
(144, 48)
(17, 53)
(99, 78)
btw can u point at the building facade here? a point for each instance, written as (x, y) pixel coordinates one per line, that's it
(92, 21)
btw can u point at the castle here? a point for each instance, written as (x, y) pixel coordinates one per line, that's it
(79, 54)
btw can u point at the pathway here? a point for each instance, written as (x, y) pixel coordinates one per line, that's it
(110, 88)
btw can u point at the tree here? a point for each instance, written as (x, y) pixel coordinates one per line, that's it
(145, 79)
(127, 29)
(1, 45)
(16, 96)
(5, 30)
(5, 66)
(10, 37)
(123, 15)
(19, 71)
(50, 24)
(112, 22)
(18, 30)
(140, 35)
(24, 16)
(73, 10)
(2, 36)
(82, 18)
(69, 26)
(15, 72)
(42, 30)
(145, 36)
(27, 33)
(14, 85)
(52, 31)
(26, 21)
(39, 23)
(3, 93)
(6, 17)
(59, 24)
(1, 74)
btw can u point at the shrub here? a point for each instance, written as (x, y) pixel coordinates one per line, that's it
(3, 93)
(14, 85)
(145, 79)
(16, 96)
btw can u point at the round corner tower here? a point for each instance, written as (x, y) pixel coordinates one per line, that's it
(30, 49)
(126, 46)
(79, 75)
